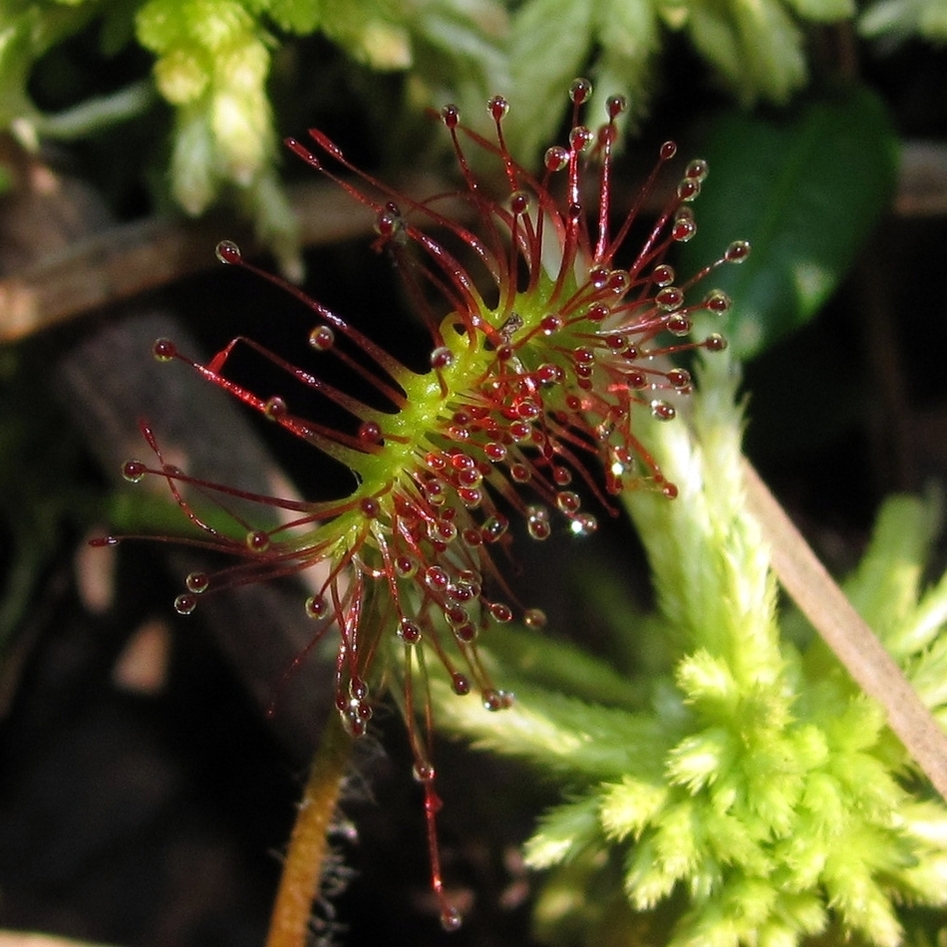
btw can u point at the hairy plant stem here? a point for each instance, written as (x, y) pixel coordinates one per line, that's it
(308, 845)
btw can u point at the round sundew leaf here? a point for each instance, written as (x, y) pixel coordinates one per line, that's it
(805, 190)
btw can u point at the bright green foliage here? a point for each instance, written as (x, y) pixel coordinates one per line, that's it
(903, 18)
(212, 65)
(213, 60)
(749, 794)
(804, 189)
(27, 31)
(755, 48)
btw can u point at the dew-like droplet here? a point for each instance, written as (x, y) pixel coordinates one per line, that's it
(667, 151)
(409, 631)
(462, 461)
(697, 169)
(444, 531)
(197, 582)
(493, 700)
(662, 411)
(580, 90)
(580, 138)
(164, 350)
(598, 312)
(688, 189)
(534, 618)
(619, 281)
(669, 298)
(568, 501)
(469, 478)
(228, 252)
(737, 252)
(258, 541)
(369, 507)
(466, 589)
(556, 158)
(322, 338)
(663, 275)
(436, 578)
(498, 107)
(684, 229)
(679, 377)
(494, 528)
(441, 357)
(460, 683)
(715, 342)
(471, 497)
(519, 202)
(354, 727)
(133, 471)
(717, 301)
(316, 607)
(615, 105)
(275, 408)
(185, 604)
(584, 524)
(495, 451)
(549, 374)
(598, 276)
(423, 771)
(369, 432)
(472, 536)
(501, 612)
(405, 567)
(450, 115)
(537, 522)
(670, 490)
(551, 324)
(451, 919)
(388, 222)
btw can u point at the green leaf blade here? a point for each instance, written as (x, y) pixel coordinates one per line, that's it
(806, 192)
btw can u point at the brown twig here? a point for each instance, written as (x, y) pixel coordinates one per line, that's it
(821, 600)
(125, 260)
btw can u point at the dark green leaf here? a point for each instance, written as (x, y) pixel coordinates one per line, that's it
(805, 190)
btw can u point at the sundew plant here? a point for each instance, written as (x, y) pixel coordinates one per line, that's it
(744, 792)
(528, 404)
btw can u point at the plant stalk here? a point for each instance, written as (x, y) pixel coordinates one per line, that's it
(308, 845)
